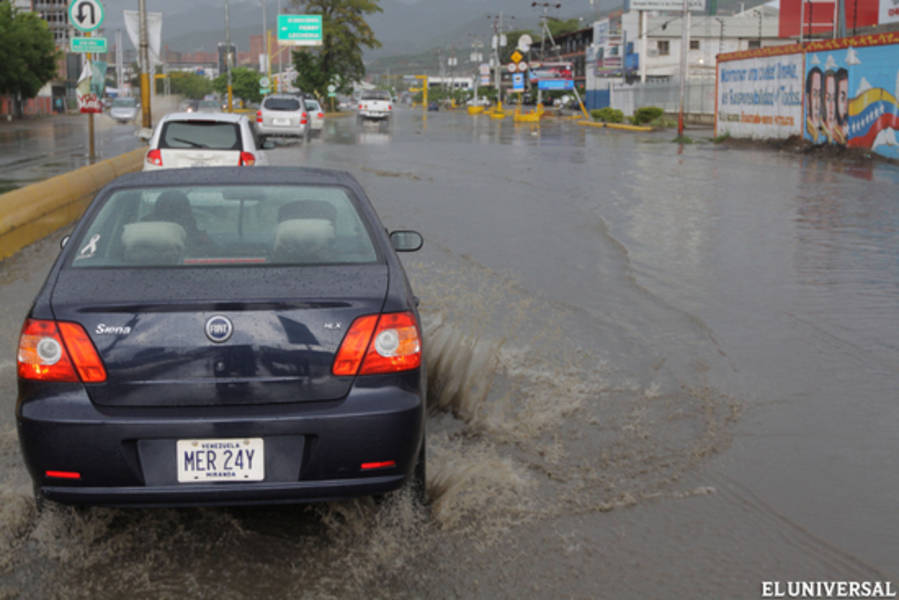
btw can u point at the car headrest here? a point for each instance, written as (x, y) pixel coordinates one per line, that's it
(299, 239)
(153, 242)
(308, 209)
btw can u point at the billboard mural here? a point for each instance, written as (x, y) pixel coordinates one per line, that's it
(760, 97)
(851, 98)
(848, 92)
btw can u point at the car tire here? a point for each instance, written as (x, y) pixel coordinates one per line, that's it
(40, 503)
(419, 480)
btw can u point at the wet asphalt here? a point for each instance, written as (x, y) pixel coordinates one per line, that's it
(658, 371)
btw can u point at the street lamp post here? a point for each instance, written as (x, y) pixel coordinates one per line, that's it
(228, 51)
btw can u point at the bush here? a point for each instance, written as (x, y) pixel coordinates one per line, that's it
(647, 114)
(608, 115)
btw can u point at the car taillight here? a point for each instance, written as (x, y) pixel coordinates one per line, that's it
(246, 160)
(154, 157)
(385, 343)
(259, 116)
(58, 351)
(389, 107)
(321, 115)
(360, 107)
(304, 119)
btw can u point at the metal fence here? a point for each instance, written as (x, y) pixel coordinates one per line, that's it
(699, 96)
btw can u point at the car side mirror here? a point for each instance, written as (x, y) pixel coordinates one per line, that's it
(145, 133)
(406, 240)
(64, 241)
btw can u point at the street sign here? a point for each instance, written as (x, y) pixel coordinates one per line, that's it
(524, 42)
(85, 15)
(516, 56)
(522, 67)
(300, 30)
(518, 82)
(556, 84)
(264, 90)
(512, 67)
(264, 82)
(331, 94)
(332, 88)
(88, 44)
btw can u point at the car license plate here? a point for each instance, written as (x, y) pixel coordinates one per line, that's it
(232, 459)
(281, 121)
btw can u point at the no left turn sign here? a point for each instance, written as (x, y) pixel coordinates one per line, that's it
(85, 15)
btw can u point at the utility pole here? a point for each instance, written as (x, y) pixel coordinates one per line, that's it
(544, 32)
(263, 43)
(144, 65)
(497, 65)
(684, 42)
(119, 63)
(280, 53)
(228, 51)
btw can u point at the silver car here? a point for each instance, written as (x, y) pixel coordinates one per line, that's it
(203, 139)
(124, 110)
(316, 115)
(282, 115)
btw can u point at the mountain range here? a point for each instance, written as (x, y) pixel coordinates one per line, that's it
(404, 27)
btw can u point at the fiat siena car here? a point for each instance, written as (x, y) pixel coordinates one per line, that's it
(224, 336)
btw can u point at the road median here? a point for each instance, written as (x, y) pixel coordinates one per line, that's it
(35, 211)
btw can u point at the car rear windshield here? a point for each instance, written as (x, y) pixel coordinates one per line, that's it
(281, 104)
(124, 103)
(312, 105)
(376, 95)
(198, 133)
(203, 226)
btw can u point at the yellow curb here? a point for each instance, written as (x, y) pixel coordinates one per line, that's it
(616, 126)
(332, 115)
(33, 212)
(628, 127)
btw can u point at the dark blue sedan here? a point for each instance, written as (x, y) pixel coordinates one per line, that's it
(224, 336)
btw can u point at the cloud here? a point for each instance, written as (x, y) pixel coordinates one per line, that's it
(863, 86)
(885, 137)
(815, 59)
(852, 57)
(831, 64)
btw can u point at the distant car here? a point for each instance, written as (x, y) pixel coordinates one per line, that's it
(124, 110)
(282, 115)
(189, 106)
(433, 105)
(316, 115)
(209, 106)
(203, 140)
(375, 104)
(224, 336)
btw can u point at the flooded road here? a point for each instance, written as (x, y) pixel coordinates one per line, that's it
(655, 372)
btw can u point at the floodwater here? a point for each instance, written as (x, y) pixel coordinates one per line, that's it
(35, 149)
(656, 371)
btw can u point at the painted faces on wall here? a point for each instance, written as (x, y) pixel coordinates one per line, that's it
(813, 90)
(829, 98)
(842, 77)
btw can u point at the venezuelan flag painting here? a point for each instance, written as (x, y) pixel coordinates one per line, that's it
(851, 98)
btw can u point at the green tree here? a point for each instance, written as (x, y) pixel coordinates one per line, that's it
(190, 85)
(344, 33)
(244, 84)
(27, 54)
(559, 27)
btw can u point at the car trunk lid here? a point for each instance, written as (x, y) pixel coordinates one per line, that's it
(164, 339)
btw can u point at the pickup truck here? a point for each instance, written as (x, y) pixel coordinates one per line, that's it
(375, 104)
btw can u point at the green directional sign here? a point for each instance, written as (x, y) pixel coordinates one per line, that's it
(88, 44)
(300, 30)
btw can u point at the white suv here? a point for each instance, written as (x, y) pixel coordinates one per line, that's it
(282, 115)
(203, 140)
